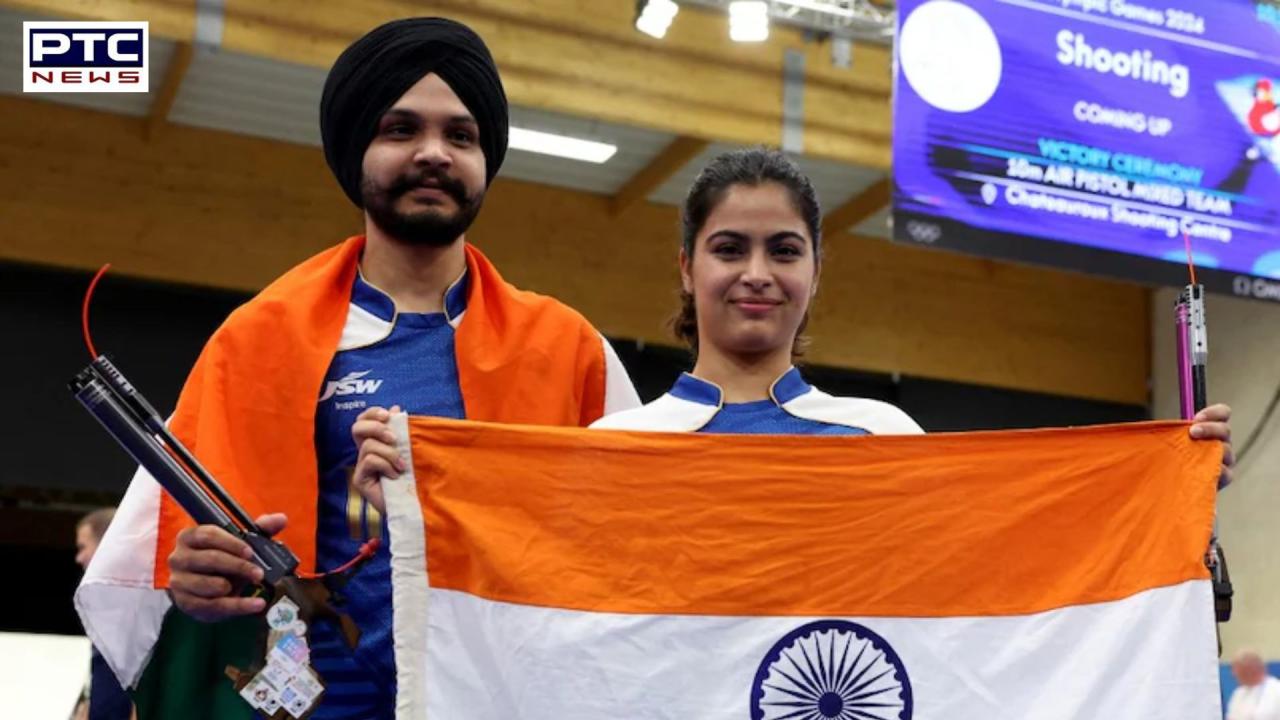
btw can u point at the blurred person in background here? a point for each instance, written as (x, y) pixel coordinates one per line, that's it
(1258, 697)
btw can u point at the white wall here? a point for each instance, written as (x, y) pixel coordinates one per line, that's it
(1244, 372)
(41, 676)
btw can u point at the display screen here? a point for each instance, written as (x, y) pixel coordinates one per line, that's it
(1098, 135)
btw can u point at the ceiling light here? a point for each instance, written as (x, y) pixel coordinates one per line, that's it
(655, 17)
(560, 145)
(748, 20)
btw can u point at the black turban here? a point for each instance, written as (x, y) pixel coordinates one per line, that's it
(377, 69)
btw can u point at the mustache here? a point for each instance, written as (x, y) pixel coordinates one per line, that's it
(449, 186)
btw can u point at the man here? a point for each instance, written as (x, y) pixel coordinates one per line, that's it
(89, 532)
(1258, 697)
(414, 124)
(104, 698)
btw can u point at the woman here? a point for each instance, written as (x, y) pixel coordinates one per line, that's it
(749, 267)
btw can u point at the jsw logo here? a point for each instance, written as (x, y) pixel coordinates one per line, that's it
(351, 384)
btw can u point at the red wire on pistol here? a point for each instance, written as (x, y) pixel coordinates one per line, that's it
(84, 312)
(366, 551)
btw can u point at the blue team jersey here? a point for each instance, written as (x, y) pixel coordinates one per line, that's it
(794, 407)
(761, 417)
(385, 358)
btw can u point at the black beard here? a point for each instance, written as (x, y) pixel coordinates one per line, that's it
(430, 227)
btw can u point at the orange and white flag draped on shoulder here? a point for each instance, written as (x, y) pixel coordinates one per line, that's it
(247, 411)
(579, 574)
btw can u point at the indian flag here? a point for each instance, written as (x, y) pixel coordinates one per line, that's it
(173, 665)
(578, 574)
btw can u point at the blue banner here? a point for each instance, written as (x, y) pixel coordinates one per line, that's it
(1094, 134)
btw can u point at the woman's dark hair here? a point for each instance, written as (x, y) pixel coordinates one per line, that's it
(751, 167)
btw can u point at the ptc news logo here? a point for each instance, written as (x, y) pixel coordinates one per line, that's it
(84, 56)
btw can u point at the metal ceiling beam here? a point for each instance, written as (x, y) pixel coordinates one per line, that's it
(849, 19)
